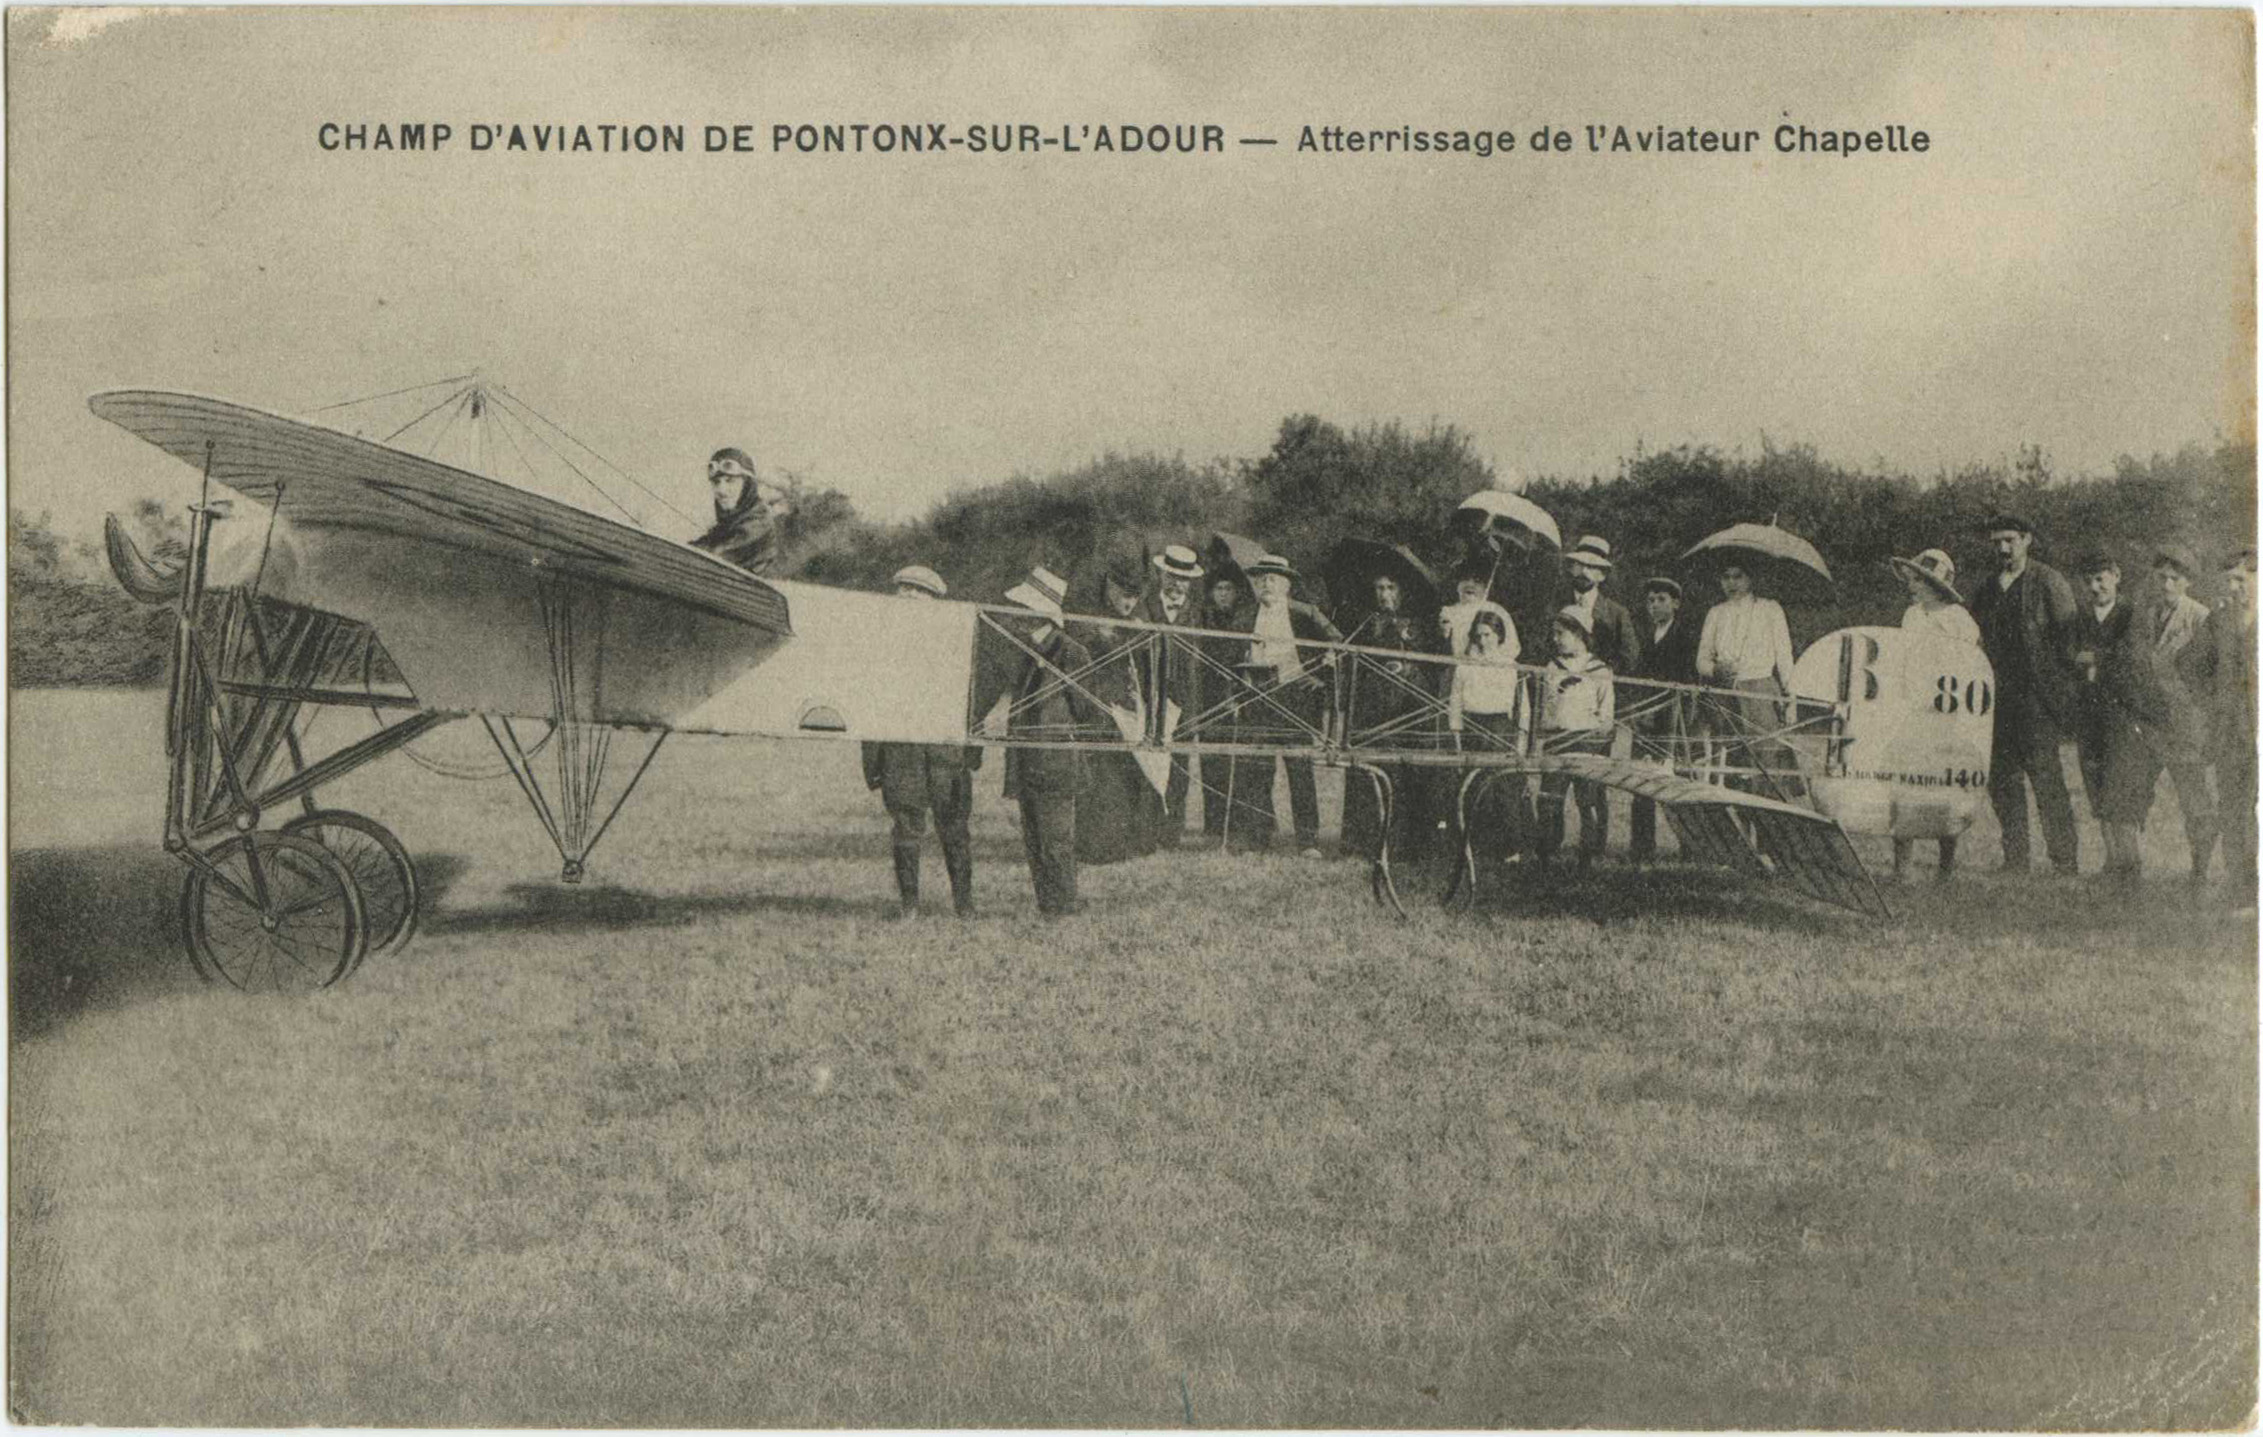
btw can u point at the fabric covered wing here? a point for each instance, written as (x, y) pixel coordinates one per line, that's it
(1741, 831)
(320, 479)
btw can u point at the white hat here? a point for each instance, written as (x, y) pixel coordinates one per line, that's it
(1177, 561)
(919, 576)
(1042, 592)
(1935, 567)
(1270, 564)
(1593, 551)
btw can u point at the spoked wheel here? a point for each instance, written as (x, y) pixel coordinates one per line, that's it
(380, 867)
(274, 912)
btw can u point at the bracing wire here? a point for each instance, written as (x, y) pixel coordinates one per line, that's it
(592, 483)
(427, 414)
(657, 498)
(391, 393)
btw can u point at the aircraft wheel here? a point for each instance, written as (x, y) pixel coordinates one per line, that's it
(380, 867)
(274, 912)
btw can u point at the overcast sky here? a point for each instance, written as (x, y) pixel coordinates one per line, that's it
(2070, 265)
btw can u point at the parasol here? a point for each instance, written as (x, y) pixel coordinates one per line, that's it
(1232, 551)
(1354, 565)
(1498, 514)
(1778, 551)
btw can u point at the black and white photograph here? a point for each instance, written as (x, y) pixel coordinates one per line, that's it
(1131, 718)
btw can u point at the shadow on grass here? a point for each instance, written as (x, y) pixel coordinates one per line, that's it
(871, 845)
(1615, 893)
(91, 928)
(535, 906)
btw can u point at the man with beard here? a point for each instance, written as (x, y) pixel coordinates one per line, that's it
(2026, 614)
(750, 513)
(1286, 703)
(1173, 677)
(1045, 782)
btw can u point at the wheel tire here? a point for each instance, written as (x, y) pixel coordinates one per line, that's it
(319, 936)
(381, 869)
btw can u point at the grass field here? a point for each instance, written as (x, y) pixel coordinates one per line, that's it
(708, 1140)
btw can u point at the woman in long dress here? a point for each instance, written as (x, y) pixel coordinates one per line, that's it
(1120, 813)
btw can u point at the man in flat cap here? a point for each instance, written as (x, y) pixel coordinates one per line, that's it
(2155, 722)
(2026, 612)
(2098, 628)
(914, 778)
(1173, 678)
(1669, 656)
(2223, 662)
(1049, 708)
(750, 513)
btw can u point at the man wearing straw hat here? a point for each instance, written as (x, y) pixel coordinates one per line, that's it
(1613, 635)
(1173, 678)
(1286, 703)
(1048, 708)
(913, 778)
(2026, 615)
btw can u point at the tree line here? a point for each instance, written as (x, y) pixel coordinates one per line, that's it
(1321, 482)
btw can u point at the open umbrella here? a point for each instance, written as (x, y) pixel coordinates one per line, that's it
(1779, 552)
(1354, 564)
(1511, 518)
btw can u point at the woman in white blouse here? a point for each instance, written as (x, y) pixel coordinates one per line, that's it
(1746, 645)
(1935, 607)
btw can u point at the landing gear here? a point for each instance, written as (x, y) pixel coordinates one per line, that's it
(380, 868)
(272, 912)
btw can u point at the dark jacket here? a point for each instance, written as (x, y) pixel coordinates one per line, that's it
(2147, 685)
(747, 535)
(1382, 691)
(915, 776)
(1672, 659)
(2098, 640)
(1170, 666)
(2221, 667)
(1617, 639)
(2028, 633)
(1062, 713)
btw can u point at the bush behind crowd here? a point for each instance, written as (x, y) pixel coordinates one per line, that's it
(1320, 482)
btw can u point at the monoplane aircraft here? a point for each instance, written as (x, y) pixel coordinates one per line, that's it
(349, 572)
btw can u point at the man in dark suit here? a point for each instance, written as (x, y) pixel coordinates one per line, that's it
(1388, 698)
(913, 778)
(2098, 627)
(2222, 662)
(2155, 722)
(1669, 655)
(1227, 606)
(1046, 781)
(1172, 677)
(1286, 703)
(2026, 615)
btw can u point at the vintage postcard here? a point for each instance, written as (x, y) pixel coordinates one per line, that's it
(1131, 718)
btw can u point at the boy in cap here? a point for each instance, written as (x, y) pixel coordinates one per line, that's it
(2098, 627)
(750, 513)
(913, 778)
(1669, 655)
(2026, 613)
(1577, 715)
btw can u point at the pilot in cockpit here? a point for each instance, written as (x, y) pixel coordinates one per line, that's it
(750, 513)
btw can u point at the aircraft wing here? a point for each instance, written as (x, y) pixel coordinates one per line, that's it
(320, 479)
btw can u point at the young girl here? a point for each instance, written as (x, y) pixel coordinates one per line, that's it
(1577, 716)
(1485, 711)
